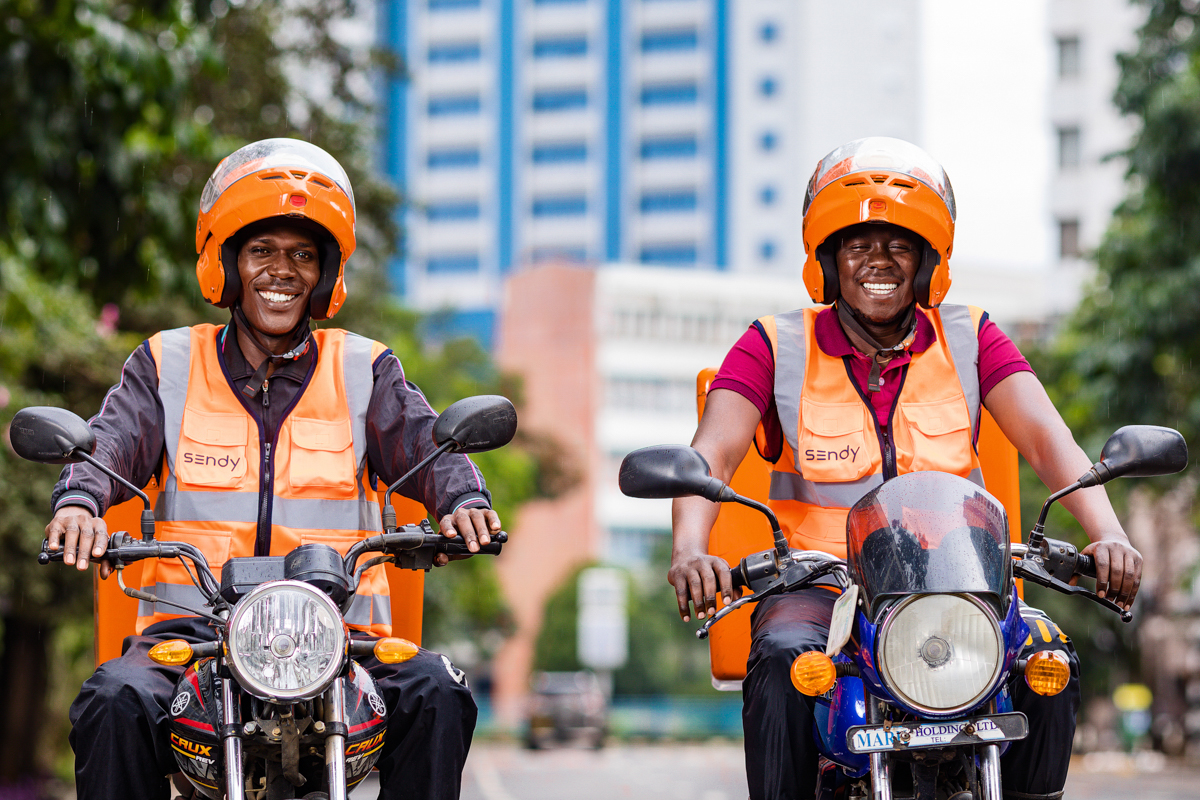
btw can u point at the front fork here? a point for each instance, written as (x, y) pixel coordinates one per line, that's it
(881, 775)
(335, 742)
(232, 742)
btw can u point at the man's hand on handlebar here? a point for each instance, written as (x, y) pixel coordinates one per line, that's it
(1118, 570)
(477, 526)
(81, 537)
(696, 578)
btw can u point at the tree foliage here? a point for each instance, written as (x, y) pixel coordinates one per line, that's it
(1131, 353)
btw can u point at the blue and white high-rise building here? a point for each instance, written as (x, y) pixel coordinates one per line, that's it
(659, 132)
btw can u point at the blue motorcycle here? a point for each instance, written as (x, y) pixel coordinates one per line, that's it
(926, 634)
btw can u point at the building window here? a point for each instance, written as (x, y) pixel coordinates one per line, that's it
(451, 5)
(454, 52)
(559, 152)
(559, 99)
(767, 250)
(1070, 149)
(769, 32)
(667, 201)
(768, 86)
(1068, 239)
(575, 254)
(560, 47)
(669, 147)
(1068, 57)
(452, 262)
(452, 210)
(560, 206)
(768, 141)
(664, 94)
(767, 195)
(448, 105)
(668, 254)
(670, 40)
(452, 158)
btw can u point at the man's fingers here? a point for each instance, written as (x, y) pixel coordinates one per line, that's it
(1100, 554)
(100, 543)
(493, 520)
(70, 540)
(725, 580)
(708, 579)
(681, 598)
(479, 522)
(696, 590)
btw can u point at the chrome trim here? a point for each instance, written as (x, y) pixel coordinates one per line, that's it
(335, 743)
(234, 777)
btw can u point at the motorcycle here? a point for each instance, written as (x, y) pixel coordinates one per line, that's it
(911, 693)
(274, 704)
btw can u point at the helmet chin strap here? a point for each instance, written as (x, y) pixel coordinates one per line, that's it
(880, 355)
(300, 337)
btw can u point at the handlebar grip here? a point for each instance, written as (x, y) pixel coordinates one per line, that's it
(1085, 565)
(737, 578)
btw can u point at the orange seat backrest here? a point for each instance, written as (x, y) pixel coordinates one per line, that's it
(115, 613)
(740, 531)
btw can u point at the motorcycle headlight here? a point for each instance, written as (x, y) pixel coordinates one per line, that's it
(940, 653)
(287, 641)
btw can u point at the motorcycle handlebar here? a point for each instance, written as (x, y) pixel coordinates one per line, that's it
(1085, 565)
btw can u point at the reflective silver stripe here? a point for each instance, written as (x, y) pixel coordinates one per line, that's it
(791, 358)
(381, 609)
(976, 476)
(963, 341)
(310, 513)
(370, 609)
(172, 390)
(186, 594)
(789, 486)
(359, 381)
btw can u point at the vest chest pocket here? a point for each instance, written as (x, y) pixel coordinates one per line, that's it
(938, 437)
(322, 455)
(832, 442)
(212, 449)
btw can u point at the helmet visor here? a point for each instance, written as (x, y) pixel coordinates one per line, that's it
(268, 154)
(881, 153)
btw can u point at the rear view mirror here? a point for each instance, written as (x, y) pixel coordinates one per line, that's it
(476, 424)
(1139, 451)
(670, 470)
(50, 435)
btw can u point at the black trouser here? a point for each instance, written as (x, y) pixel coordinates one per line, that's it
(781, 756)
(119, 721)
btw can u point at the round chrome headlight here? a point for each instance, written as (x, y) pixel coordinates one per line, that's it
(940, 653)
(287, 641)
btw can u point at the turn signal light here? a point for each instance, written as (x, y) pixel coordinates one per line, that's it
(171, 653)
(1047, 672)
(395, 651)
(813, 673)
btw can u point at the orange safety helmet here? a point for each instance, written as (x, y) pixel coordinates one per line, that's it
(879, 179)
(284, 178)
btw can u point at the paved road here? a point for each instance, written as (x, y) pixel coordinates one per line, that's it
(715, 772)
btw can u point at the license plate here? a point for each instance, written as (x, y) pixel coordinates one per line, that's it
(918, 735)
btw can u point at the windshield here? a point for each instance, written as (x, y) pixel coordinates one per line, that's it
(928, 532)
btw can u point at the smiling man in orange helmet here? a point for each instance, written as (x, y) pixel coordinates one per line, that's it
(266, 435)
(878, 366)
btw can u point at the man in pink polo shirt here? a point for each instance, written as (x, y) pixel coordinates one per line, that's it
(878, 233)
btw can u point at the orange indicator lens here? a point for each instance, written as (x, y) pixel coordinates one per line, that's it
(395, 651)
(172, 653)
(813, 673)
(1047, 672)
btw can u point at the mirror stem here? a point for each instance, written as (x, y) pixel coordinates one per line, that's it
(781, 545)
(389, 519)
(1039, 530)
(147, 523)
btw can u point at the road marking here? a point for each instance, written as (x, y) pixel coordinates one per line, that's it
(488, 779)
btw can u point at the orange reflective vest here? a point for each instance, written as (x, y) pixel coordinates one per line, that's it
(223, 477)
(834, 450)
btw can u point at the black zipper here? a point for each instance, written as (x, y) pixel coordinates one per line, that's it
(266, 482)
(886, 445)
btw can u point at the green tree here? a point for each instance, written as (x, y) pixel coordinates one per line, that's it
(1131, 351)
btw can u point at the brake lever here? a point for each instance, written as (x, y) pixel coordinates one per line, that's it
(774, 588)
(1032, 570)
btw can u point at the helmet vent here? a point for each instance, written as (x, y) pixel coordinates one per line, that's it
(299, 175)
(879, 178)
(274, 176)
(321, 183)
(853, 183)
(904, 184)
